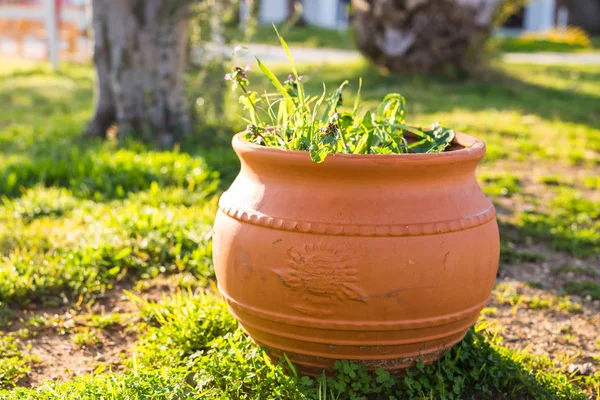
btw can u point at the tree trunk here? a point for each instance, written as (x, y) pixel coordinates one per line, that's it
(423, 35)
(295, 17)
(140, 55)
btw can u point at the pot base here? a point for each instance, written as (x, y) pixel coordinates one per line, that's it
(316, 350)
(314, 366)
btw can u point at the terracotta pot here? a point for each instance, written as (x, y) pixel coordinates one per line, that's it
(379, 259)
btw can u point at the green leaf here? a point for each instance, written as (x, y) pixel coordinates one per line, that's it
(415, 131)
(366, 141)
(357, 100)
(287, 52)
(271, 76)
(329, 140)
(345, 120)
(248, 100)
(11, 181)
(439, 139)
(114, 271)
(381, 150)
(316, 110)
(332, 102)
(318, 152)
(392, 108)
(122, 254)
(290, 365)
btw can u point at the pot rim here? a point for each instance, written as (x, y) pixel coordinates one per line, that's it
(473, 149)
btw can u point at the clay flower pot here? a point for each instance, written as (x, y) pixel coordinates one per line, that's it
(378, 259)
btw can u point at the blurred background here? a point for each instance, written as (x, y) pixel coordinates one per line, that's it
(45, 29)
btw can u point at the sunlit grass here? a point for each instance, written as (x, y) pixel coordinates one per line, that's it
(79, 217)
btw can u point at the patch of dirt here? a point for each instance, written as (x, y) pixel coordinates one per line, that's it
(534, 194)
(530, 174)
(553, 271)
(60, 359)
(59, 356)
(53, 340)
(569, 339)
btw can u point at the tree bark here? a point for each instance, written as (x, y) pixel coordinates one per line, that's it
(140, 56)
(294, 9)
(423, 35)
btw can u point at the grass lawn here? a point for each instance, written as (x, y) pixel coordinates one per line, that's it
(106, 283)
(313, 36)
(306, 36)
(521, 45)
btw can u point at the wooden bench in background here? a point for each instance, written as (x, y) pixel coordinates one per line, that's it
(18, 22)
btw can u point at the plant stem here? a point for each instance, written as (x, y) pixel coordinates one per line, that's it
(344, 145)
(253, 105)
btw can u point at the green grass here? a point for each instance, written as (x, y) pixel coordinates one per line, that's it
(584, 289)
(519, 45)
(15, 365)
(504, 184)
(508, 294)
(307, 36)
(317, 37)
(509, 255)
(193, 349)
(81, 217)
(586, 271)
(97, 244)
(571, 223)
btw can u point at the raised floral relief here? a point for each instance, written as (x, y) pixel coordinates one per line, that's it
(322, 277)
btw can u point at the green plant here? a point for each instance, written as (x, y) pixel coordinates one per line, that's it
(297, 120)
(572, 35)
(500, 184)
(510, 255)
(182, 326)
(7, 315)
(14, 365)
(85, 338)
(592, 182)
(478, 367)
(575, 269)
(569, 307)
(583, 288)
(307, 36)
(538, 303)
(104, 321)
(553, 180)
(571, 222)
(568, 40)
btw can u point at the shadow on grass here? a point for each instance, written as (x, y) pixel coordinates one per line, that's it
(48, 149)
(476, 368)
(42, 115)
(492, 88)
(488, 370)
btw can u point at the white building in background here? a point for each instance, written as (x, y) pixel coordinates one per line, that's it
(327, 13)
(331, 14)
(271, 11)
(538, 15)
